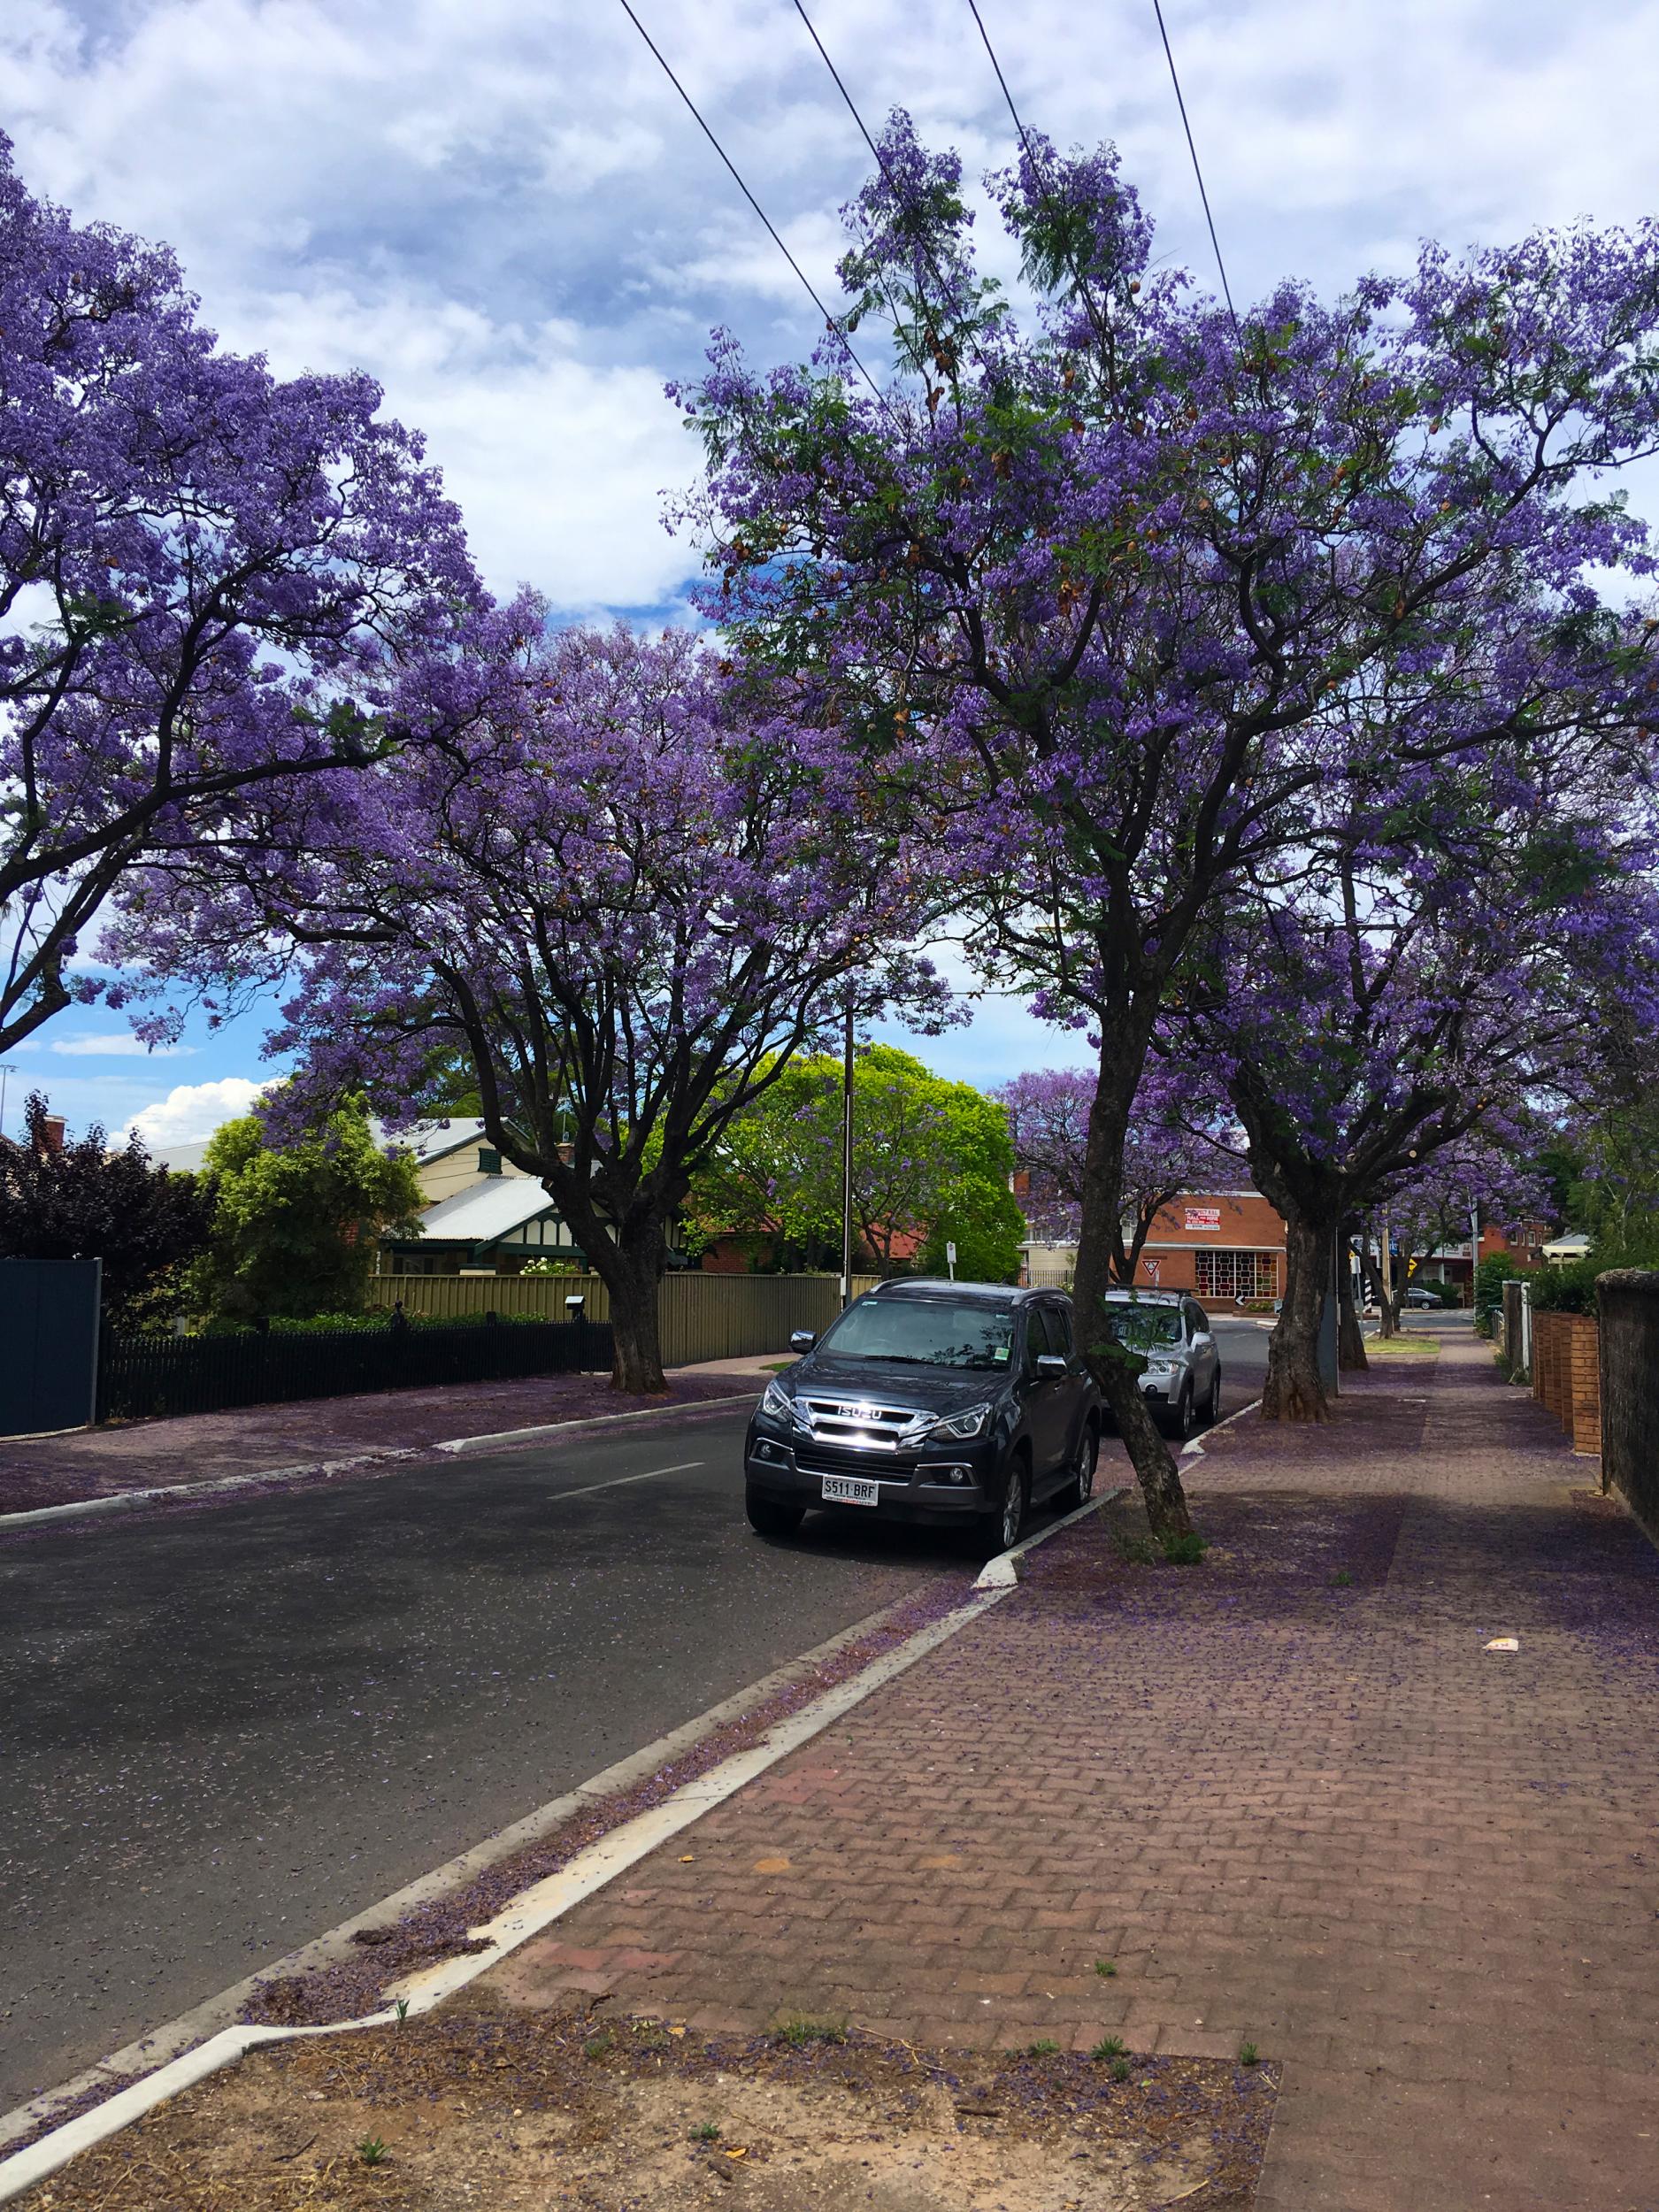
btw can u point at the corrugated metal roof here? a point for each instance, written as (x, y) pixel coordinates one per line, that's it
(494, 1208)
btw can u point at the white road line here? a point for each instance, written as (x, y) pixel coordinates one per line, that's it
(680, 1467)
(306, 1470)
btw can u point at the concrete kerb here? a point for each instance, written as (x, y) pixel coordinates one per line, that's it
(1195, 1449)
(217, 1486)
(1000, 1573)
(214, 2014)
(529, 1913)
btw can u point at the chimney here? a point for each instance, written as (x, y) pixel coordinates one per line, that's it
(51, 1138)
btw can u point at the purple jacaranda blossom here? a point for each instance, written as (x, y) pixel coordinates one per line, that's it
(1448, 977)
(1147, 586)
(209, 578)
(1179, 1138)
(626, 879)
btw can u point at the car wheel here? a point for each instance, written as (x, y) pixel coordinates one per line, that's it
(769, 1516)
(1212, 1409)
(1079, 1488)
(1181, 1422)
(1000, 1531)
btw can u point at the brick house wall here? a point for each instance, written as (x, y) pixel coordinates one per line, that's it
(1226, 1247)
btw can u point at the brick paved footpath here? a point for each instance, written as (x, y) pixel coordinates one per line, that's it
(1310, 1813)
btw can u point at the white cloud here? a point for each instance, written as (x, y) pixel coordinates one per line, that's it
(119, 1044)
(191, 1111)
(558, 464)
(506, 214)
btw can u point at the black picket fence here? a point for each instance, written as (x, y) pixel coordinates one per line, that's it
(141, 1377)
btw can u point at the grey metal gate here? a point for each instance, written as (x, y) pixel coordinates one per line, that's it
(49, 1344)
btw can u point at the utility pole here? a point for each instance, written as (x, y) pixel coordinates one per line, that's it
(847, 1164)
(7, 1067)
(1385, 1319)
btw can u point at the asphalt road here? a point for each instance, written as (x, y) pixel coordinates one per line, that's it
(222, 1731)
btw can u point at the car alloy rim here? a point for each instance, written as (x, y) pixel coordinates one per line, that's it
(1011, 1514)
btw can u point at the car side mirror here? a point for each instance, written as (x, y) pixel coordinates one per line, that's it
(803, 1339)
(1052, 1367)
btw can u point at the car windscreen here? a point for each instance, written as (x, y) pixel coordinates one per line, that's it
(924, 1332)
(1139, 1327)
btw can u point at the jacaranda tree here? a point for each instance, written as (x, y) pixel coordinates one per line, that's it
(1129, 569)
(209, 579)
(1177, 1140)
(629, 883)
(1446, 969)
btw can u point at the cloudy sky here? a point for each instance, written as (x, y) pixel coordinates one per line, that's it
(504, 213)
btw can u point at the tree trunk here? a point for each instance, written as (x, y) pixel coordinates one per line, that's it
(1293, 1390)
(1101, 1209)
(633, 1275)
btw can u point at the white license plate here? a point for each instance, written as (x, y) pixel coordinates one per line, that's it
(848, 1490)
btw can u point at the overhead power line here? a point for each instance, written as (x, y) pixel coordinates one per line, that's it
(1089, 308)
(1226, 290)
(830, 321)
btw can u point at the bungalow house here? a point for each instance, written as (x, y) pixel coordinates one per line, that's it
(482, 1214)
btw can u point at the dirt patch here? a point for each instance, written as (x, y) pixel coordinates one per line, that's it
(474, 2108)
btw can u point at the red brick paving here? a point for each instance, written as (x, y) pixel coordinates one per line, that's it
(1313, 1816)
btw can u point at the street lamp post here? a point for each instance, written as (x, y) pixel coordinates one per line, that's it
(846, 1163)
(7, 1067)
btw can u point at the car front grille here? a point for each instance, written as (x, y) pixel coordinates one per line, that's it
(866, 1465)
(860, 1425)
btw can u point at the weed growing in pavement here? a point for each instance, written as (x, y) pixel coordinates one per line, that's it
(1185, 1551)
(402, 2011)
(1046, 2048)
(1248, 2055)
(372, 2152)
(1341, 1578)
(1136, 1551)
(650, 2035)
(1109, 2046)
(705, 2132)
(1106, 1967)
(799, 2029)
(1120, 2069)
(599, 2046)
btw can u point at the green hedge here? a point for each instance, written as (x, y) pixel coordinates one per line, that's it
(375, 1324)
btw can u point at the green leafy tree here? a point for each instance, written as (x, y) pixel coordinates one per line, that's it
(296, 1226)
(931, 1163)
(84, 1202)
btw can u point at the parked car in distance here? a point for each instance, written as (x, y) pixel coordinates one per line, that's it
(954, 1404)
(1420, 1294)
(1181, 1380)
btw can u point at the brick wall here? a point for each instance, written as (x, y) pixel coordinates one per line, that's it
(1244, 1222)
(1628, 1301)
(1566, 1374)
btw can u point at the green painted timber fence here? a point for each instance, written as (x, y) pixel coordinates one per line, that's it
(702, 1316)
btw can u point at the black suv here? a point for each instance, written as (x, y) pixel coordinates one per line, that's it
(958, 1404)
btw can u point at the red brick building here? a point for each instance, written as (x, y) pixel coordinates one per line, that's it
(1226, 1247)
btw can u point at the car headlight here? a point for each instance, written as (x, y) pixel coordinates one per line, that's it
(968, 1423)
(777, 1402)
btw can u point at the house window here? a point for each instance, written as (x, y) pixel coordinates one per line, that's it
(489, 1160)
(1236, 1274)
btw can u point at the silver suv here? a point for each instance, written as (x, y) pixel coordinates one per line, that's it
(1181, 1380)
